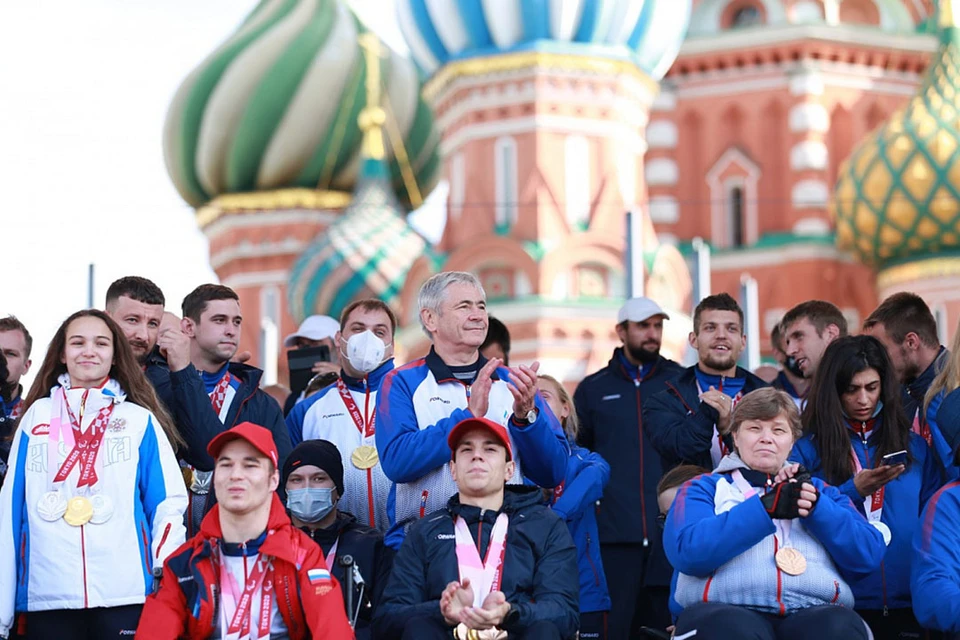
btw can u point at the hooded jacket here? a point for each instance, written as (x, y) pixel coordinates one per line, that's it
(186, 605)
(903, 500)
(371, 557)
(587, 475)
(539, 566)
(681, 426)
(723, 545)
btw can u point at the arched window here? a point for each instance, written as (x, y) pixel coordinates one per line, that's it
(269, 332)
(577, 178)
(748, 16)
(735, 211)
(505, 174)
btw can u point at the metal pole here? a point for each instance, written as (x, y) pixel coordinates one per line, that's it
(634, 254)
(701, 270)
(90, 270)
(749, 301)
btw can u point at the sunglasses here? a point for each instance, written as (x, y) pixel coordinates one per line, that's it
(661, 520)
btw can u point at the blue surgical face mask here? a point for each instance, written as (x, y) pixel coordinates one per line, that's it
(310, 505)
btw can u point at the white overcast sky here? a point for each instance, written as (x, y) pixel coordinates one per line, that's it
(84, 92)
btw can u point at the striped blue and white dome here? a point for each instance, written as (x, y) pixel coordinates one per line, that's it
(648, 31)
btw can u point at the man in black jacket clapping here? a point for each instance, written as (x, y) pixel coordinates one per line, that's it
(494, 564)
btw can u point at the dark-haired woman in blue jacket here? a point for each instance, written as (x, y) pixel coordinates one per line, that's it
(574, 501)
(858, 439)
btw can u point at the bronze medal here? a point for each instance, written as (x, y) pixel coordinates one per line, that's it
(791, 561)
(365, 457)
(79, 511)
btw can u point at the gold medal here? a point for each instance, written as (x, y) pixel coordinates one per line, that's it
(79, 511)
(791, 561)
(365, 457)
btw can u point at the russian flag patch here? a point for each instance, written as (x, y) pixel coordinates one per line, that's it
(317, 576)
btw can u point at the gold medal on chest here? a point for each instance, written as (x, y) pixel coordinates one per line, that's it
(365, 457)
(79, 511)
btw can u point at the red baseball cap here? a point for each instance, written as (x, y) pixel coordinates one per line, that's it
(469, 424)
(259, 438)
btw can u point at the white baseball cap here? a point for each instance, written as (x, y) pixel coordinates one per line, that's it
(313, 328)
(639, 309)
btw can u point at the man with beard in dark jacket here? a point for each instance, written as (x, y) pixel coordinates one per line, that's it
(206, 393)
(609, 404)
(495, 560)
(312, 485)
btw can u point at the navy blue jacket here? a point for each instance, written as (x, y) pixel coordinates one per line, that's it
(913, 392)
(186, 398)
(680, 425)
(935, 579)
(903, 499)
(587, 475)
(608, 404)
(539, 566)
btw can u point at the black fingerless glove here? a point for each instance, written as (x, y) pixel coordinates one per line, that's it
(781, 501)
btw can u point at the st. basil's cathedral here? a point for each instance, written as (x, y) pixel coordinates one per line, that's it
(810, 144)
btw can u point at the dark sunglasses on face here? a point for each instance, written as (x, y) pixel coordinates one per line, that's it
(661, 520)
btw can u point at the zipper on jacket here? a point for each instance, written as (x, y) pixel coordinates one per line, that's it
(292, 624)
(596, 576)
(83, 561)
(163, 538)
(480, 530)
(643, 500)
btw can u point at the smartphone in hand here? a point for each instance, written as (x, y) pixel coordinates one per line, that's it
(892, 459)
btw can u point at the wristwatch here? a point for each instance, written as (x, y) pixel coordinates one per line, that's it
(530, 418)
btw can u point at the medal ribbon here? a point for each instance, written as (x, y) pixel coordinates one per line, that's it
(17, 409)
(783, 526)
(331, 558)
(921, 427)
(86, 446)
(261, 579)
(219, 393)
(485, 575)
(872, 504)
(721, 445)
(365, 427)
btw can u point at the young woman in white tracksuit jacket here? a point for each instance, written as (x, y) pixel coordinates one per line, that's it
(80, 533)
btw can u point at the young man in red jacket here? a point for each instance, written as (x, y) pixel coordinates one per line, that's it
(248, 573)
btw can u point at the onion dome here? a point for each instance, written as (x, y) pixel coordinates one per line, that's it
(648, 31)
(898, 194)
(275, 106)
(368, 251)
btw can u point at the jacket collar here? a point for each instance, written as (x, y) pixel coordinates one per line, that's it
(515, 498)
(922, 382)
(618, 369)
(273, 545)
(374, 378)
(441, 370)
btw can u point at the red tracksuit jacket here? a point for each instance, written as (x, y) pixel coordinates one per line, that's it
(185, 605)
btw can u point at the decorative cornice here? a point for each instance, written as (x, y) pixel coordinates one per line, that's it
(512, 62)
(920, 270)
(271, 201)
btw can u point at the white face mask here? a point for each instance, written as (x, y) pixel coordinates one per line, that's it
(365, 351)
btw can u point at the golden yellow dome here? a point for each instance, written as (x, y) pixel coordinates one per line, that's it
(898, 194)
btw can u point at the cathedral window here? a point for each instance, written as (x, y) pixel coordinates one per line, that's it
(577, 182)
(505, 174)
